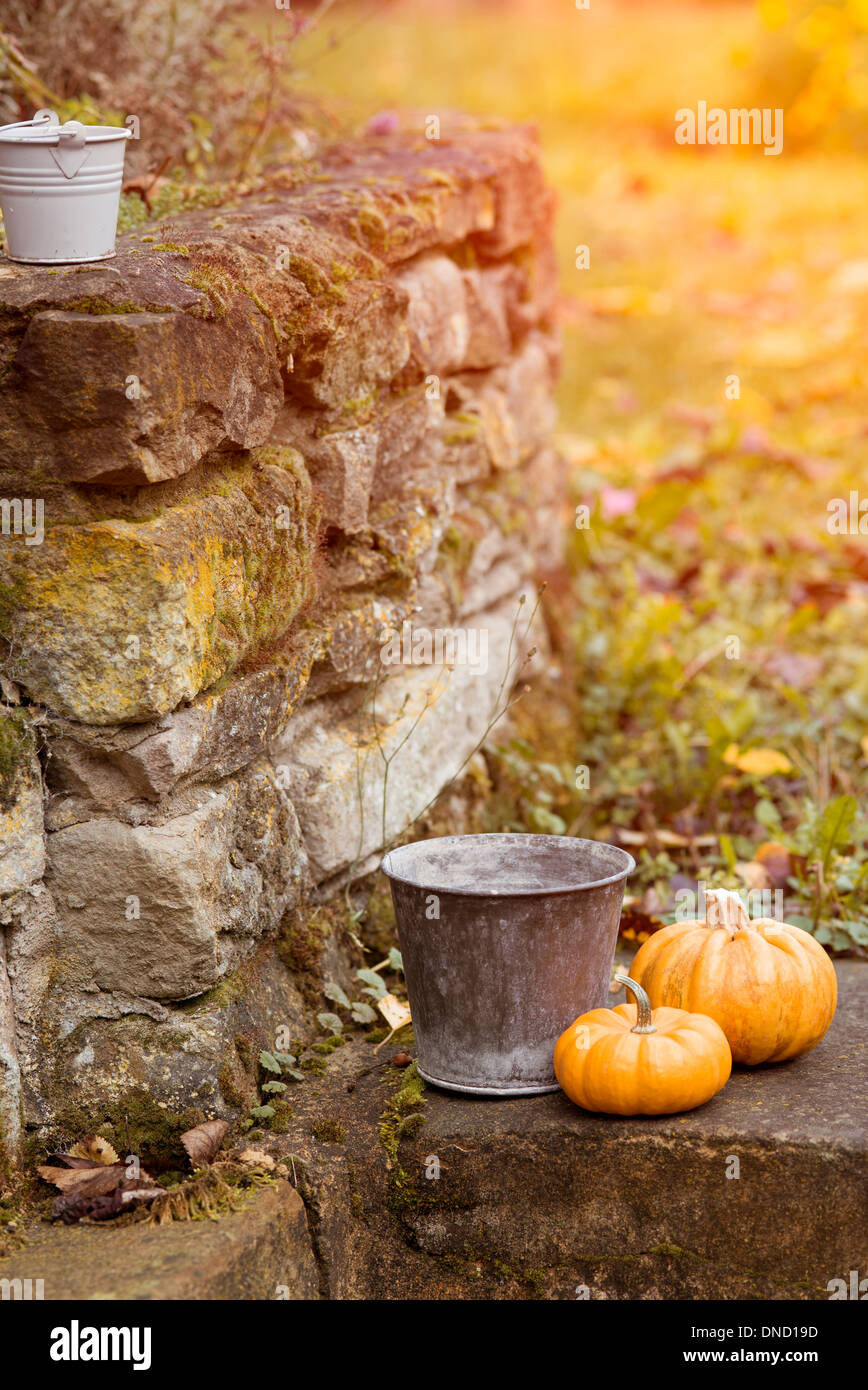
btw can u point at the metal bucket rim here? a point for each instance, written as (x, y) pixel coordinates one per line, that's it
(50, 137)
(629, 866)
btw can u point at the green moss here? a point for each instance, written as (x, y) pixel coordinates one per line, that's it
(15, 747)
(300, 944)
(317, 1065)
(210, 1193)
(280, 1120)
(329, 1132)
(225, 993)
(12, 595)
(329, 1045)
(231, 1088)
(213, 283)
(377, 1035)
(360, 406)
(463, 426)
(175, 247)
(401, 1118)
(135, 1122)
(317, 283)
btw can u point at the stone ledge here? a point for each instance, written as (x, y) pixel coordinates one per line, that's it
(128, 373)
(537, 1197)
(246, 1255)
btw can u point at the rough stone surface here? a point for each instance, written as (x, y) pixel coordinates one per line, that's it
(138, 397)
(262, 1252)
(163, 910)
(437, 318)
(255, 453)
(22, 846)
(119, 621)
(222, 731)
(10, 1072)
(429, 719)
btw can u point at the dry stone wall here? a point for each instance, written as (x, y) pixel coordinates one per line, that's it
(235, 461)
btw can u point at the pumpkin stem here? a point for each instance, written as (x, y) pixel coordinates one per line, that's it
(724, 908)
(644, 1022)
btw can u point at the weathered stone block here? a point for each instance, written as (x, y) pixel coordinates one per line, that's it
(10, 1073)
(437, 317)
(137, 397)
(163, 910)
(332, 773)
(341, 463)
(219, 733)
(22, 849)
(513, 405)
(260, 1253)
(114, 622)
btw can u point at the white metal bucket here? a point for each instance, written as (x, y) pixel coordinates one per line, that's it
(60, 188)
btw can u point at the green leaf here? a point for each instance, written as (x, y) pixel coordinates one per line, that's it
(395, 960)
(274, 1087)
(370, 977)
(330, 1023)
(545, 821)
(285, 1059)
(334, 992)
(263, 1112)
(835, 824)
(269, 1061)
(857, 930)
(363, 1013)
(766, 812)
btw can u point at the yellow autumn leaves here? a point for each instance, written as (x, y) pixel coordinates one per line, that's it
(759, 762)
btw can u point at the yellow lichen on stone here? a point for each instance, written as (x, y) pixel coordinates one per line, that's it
(118, 621)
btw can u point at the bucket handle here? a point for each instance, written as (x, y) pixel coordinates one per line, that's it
(43, 117)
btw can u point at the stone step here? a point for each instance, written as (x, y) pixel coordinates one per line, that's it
(534, 1199)
(537, 1198)
(261, 1252)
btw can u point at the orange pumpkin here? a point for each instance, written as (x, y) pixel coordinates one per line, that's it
(769, 985)
(630, 1061)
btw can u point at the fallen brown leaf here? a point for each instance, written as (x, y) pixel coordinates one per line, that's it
(775, 859)
(79, 1205)
(95, 1149)
(256, 1158)
(65, 1178)
(93, 1182)
(203, 1141)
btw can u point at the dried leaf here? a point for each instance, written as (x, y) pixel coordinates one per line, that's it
(394, 1011)
(64, 1178)
(759, 762)
(94, 1148)
(91, 1182)
(203, 1141)
(79, 1205)
(67, 1161)
(256, 1158)
(775, 859)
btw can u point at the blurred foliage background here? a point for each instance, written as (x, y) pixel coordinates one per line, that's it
(709, 626)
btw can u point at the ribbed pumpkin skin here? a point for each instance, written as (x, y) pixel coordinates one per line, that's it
(617, 1072)
(769, 985)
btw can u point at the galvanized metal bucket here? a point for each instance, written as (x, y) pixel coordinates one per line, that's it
(60, 188)
(506, 939)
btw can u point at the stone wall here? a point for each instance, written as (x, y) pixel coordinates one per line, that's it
(235, 459)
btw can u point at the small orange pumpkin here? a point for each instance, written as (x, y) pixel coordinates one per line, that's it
(630, 1061)
(769, 985)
